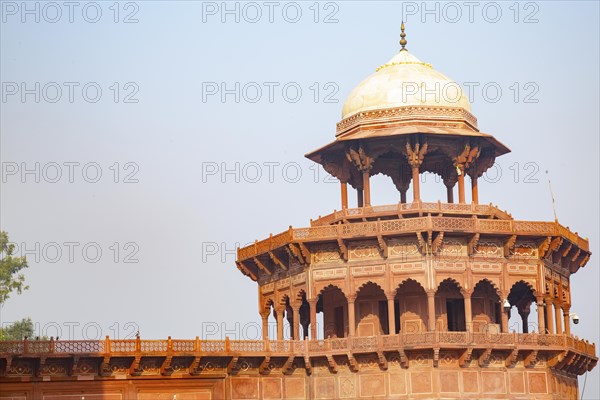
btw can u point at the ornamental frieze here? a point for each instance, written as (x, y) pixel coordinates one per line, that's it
(369, 270)
(364, 249)
(332, 273)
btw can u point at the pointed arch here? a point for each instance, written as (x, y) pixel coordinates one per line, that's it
(411, 312)
(448, 282)
(489, 282)
(369, 285)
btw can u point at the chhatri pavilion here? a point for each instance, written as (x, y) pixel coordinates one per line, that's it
(408, 300)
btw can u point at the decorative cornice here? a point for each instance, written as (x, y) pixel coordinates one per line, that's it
(411, 113)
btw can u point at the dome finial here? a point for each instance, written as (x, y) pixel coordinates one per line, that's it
(402, 36)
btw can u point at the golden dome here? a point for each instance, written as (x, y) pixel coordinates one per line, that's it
(405, 81)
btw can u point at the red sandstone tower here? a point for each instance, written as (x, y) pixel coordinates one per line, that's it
(415, 297)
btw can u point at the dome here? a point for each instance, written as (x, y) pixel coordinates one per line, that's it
(405, 81)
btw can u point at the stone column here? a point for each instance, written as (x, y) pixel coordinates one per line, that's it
(558, 317)
(540, 310)
(403, 196)
(279, 317)
(431, 310)
(415, 155)
(359, 200)
(416, 183)
(351, 318)
(461, 183)
(450, 193)
(344, 192)
(474, 191)
(391, 314)
(313, 318)
(549, 322)
(566, 310)
(265, 326)
(468, 311)
(296, 321)
(524, 313)
(366, 187)
(505, 318)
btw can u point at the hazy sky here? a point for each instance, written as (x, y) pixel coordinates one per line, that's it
(158, 136)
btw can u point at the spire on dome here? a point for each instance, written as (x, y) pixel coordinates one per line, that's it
(402, 36)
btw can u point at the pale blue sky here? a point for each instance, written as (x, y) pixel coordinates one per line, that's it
(171, 135)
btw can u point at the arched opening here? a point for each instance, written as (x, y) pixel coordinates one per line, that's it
(372, 311)
(450, 307)
(520, 297)
(288, 319)
(304, 314)
(334, 306)
(271, 325)
(411, 307)
(486, 308)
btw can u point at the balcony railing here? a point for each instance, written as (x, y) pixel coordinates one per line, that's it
(410, 208)
(407, 225)
(305, 347)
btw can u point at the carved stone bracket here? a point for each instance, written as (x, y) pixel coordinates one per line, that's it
(262, 266)
(232, 366)
(465, 358)
(135, 369)
(277, 261)
(332, 364)
(437, 242)
(512, 358)
(343, 249)
(484, 357)
(383, 247)
(263, 368)
(353, 364)
(509, 245)
(531, 359)
(288, 366)
(382, 361)
(472, 245)
(307, 364)
(166, 368)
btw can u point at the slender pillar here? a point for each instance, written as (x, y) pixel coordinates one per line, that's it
(359, 193)
(351, 319)
(566, 320)
(403, 196)
(416, 186)
(461, 185)
(344, 190)
(524, 320)
(391, 314)
(279, 317)
(540, 310)
(296, 322)
(313, 319)
(504, 321)
(431, 310)
(558, 316)
(468, 312)
(474, 191)
(265, 326)
(549, 322)
(367, 188)
(450, 193)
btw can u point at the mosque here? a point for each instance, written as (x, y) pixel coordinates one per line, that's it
(414, 297)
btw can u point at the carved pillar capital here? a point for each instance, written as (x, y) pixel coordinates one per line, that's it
(415, 153)
(390, 295)
(358, 156)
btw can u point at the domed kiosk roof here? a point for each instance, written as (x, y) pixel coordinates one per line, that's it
(402, 82)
